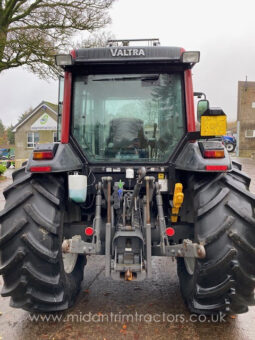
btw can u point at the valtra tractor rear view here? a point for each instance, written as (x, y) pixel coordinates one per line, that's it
(130, 178)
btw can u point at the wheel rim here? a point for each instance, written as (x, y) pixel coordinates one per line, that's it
(190, 263)
(229, 147)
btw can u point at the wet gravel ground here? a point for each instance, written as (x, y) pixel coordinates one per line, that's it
(105, 309)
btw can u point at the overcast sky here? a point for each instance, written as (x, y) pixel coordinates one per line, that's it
(223, 30)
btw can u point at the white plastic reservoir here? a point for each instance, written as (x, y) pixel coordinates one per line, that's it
(77, 187)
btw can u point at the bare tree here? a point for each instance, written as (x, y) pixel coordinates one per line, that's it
(98, 39)
(32, 31)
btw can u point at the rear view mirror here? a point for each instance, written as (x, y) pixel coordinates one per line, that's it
(202, 106)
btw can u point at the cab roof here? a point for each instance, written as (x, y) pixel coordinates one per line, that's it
(125, 53)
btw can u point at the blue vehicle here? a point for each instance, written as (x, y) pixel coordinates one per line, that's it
(7, 156)
(229, 142)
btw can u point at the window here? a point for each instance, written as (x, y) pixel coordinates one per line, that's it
(55, 136)
(32, 139)
(249, 133)
(128, 117)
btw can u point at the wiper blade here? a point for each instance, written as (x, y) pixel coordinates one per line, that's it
(148, 78)
(118, 79)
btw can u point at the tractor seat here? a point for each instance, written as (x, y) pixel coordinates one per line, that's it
(126, 137)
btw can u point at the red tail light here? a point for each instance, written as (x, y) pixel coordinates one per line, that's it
(40, 169)
(89, 231)
(216, 167)
(214, 154)
(170, 231)
(41, 155)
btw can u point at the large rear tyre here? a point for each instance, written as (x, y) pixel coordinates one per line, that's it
(31, 235)
(224, 223)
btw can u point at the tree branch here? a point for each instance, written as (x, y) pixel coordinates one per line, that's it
(32, 31)
(27, 11)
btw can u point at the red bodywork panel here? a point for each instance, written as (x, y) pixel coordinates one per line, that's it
(189, 96)
(65, 131)
(191, 124)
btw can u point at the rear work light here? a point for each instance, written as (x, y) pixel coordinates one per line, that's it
(216, 167)
(214, 154)
(190, 57)
(40, 169)
(41, 155)
(63, 59)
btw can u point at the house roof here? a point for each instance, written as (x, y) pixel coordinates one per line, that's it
(52, 107)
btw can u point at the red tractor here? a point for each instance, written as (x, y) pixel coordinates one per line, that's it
(130, 178)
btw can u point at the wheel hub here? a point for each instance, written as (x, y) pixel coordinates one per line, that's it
(229, 147)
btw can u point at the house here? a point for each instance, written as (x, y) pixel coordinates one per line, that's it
(246, 118)
(40, 126)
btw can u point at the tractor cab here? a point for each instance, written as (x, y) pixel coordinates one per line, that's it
(128, 104)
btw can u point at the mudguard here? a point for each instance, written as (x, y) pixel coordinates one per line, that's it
(191, 159)
(65, 158)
